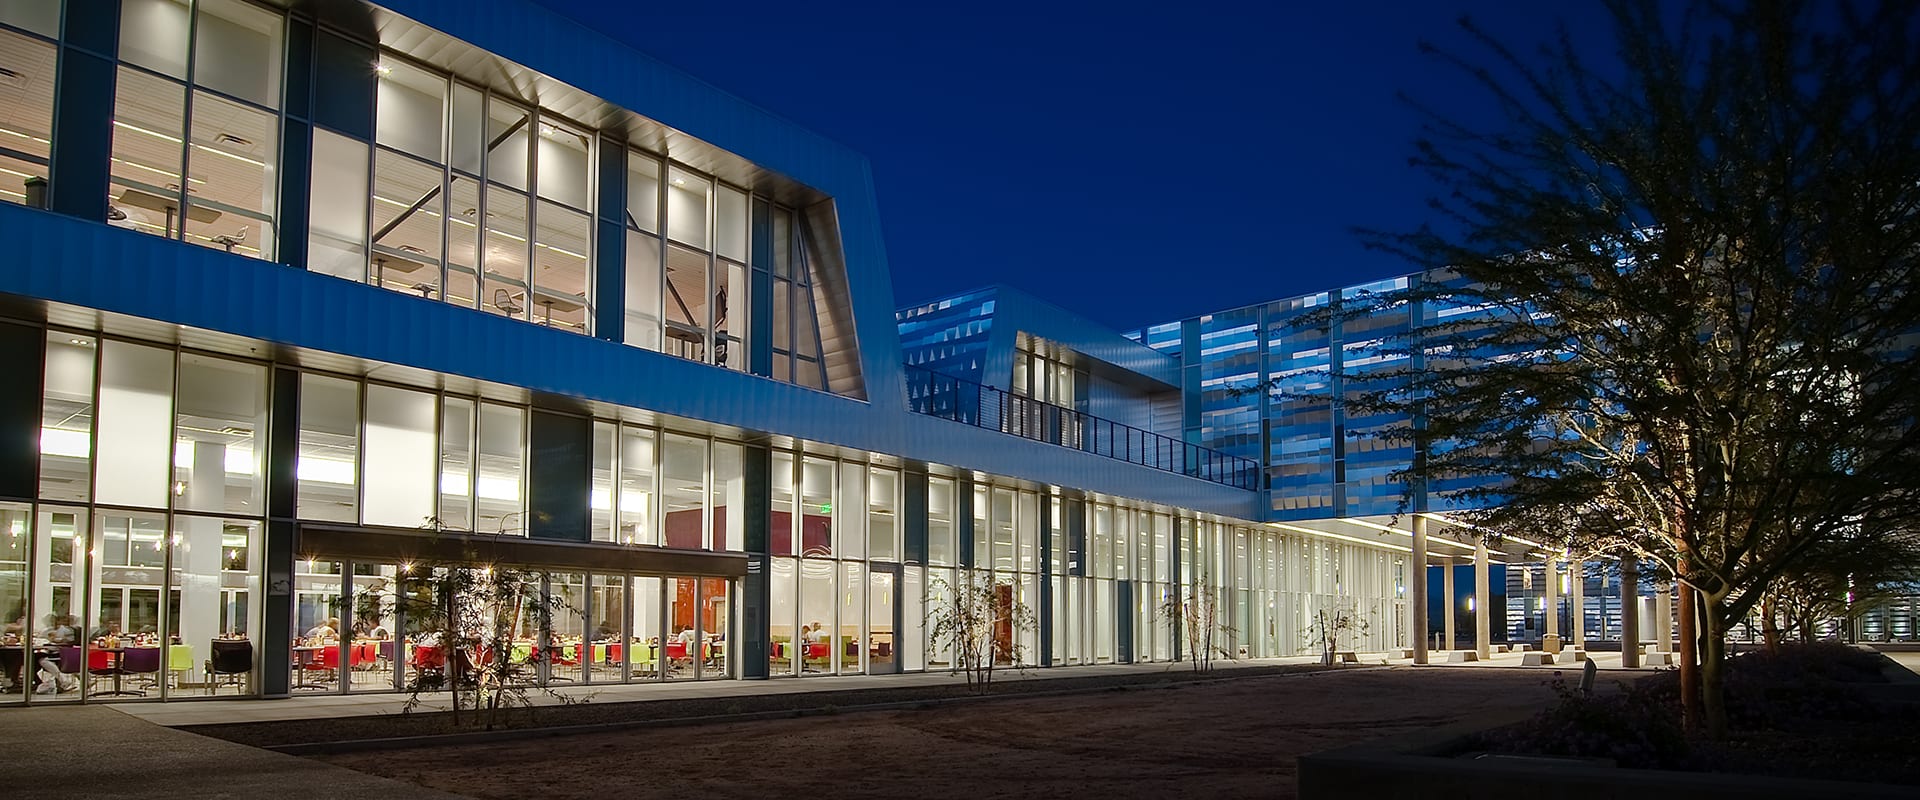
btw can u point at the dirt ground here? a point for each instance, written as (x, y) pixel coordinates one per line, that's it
(1235, 738)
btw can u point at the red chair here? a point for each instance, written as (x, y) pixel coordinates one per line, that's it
(429, 656)
(365, 654)
(322, 664)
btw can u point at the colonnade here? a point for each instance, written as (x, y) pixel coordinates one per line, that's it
(1574, 573)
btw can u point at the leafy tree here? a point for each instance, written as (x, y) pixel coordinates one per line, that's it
(1839, 580)
(1680, 294)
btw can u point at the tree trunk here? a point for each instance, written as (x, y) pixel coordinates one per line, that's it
(1770, 624)
(1713, 646)
(1689, 657)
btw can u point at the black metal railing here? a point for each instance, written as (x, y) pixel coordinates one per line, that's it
(981, 406)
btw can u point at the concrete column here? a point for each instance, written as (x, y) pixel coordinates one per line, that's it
(1629, 613)
(1482, 616)
(197, 554)
(1577, 584)
(1553, 597)
(1452, 605)
(1418, 588)
(1663, 618)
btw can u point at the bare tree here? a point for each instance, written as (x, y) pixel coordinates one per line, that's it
(1331, 626)
(982, 620)
(1671, 316)
(480, 632)
(1197, 611)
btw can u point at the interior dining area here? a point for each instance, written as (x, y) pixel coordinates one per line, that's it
(370, 626)
(122, 605)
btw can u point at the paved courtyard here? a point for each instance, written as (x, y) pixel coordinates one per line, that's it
(1229, 738)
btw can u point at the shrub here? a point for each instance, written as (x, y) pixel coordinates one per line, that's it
(1634, 728)
(1767, 690)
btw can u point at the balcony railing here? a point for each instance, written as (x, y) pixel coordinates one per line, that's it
(981, 406)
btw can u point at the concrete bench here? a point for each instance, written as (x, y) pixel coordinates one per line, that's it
(1461, 656)
(1499, 648)
(1346, 657)
(1657, 660)
(1404, 652)
(1576, 655)
(1522, 648)
(1536, 660)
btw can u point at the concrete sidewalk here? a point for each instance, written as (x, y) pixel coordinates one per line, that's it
(322, 706)
(97, 752)
(1908, 661)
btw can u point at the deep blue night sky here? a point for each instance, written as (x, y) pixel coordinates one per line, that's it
(1141, 164)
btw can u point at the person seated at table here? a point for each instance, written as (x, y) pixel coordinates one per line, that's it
(325, 630)
(62, 629)
(607, 631)
(106, 628)
(810, 633)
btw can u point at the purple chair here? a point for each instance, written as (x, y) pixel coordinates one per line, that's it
(70, 659)
(141, 661)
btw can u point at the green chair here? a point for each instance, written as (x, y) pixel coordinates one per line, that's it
(643, 658)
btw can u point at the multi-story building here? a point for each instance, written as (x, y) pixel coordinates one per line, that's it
(307, 298)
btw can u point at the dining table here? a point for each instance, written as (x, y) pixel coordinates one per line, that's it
(116, 657)
(305, 656)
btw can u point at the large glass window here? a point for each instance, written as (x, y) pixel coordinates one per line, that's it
(643, 291)
(221, 412)
(337, 226)
(401, 456)
(816, 507)
(783, 633)
(605, 446)
(412, 109)
(851, 521)
(883, 530)
(214, 596)
(940, 535)
(408, 207)
(729, 498)
(456, 463)
(780, 511)
(136, 413)
(817, 608)
(66, 418)
(327, 467)
(236, 51)
(562, 277)
(27, 129)
(636, 500)
(501, 480)
(684, 486)
(216, 184)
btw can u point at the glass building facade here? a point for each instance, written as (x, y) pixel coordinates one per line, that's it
(315, 303)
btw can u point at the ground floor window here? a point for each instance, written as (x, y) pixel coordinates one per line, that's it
(105, 603)
(383, 627)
